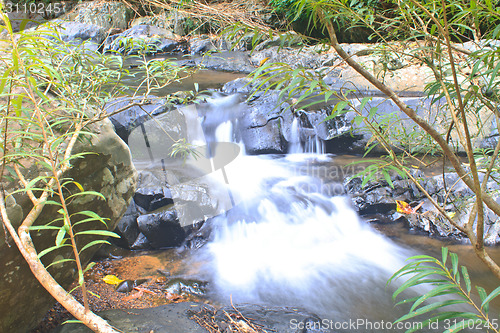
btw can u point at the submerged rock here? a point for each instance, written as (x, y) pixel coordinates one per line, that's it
(183, 317)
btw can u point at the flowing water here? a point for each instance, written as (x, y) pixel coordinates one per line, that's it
(290, 237)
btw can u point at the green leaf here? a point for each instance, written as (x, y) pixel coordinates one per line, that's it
(492, 295)
(61, 235)
(483, 295)
(72, 321)
(454, 263)
(96, 242)
(104, 233)
(50, 249)
(97, 194)
(428, 308)
(437, 291)
(61, 261)
(465, 274)
(415, 280)
(444, 253)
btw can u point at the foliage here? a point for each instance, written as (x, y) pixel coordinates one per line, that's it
(52, 94)
(451, 286)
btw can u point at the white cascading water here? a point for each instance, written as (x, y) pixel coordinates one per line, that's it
(290, 241)
(310, 144)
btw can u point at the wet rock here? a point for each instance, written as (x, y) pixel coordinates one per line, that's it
(129, 285)
(278, 319)
(379, 198)
(107, 169)
(288, 39)
(261, 128)
(147, 38)
(241, 85)
(141, 243)
(128, 119)
(172, 318)
(180, 286)
(152, 198)
(162, 229)
(127, 228)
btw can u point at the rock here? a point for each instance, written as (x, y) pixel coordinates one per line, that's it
(109, 171)
(127, 228)
(162, 229)
(172, 21)
(88, 36)
(151, 199)
(260, 128)
(75, 31)
(141, 243)
(288, 39)
(277, 319)
(201, 45)
(109, 14)
(125, 121)
(296, 57)
(379, 198)
(231, 61)
(241, 85)
(174, 318)
(147, 38)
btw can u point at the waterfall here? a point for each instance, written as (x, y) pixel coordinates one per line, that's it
(290, 242)
(293, 239)
(304, 140)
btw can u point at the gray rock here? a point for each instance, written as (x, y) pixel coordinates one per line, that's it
(110, 14)
(200, 45)
(110, 171)
(296, 57)
(261, 127)
(143, 38)
(230, 61)
(76, 32)
(128, 119)
(173, 21)
(288, 39)
(379, 198)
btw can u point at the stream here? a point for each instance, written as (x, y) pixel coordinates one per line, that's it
(284, 232)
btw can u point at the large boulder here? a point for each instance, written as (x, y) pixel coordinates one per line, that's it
(106, 14)
(108, 170)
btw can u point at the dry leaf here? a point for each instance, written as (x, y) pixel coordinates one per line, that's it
(111, 279)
